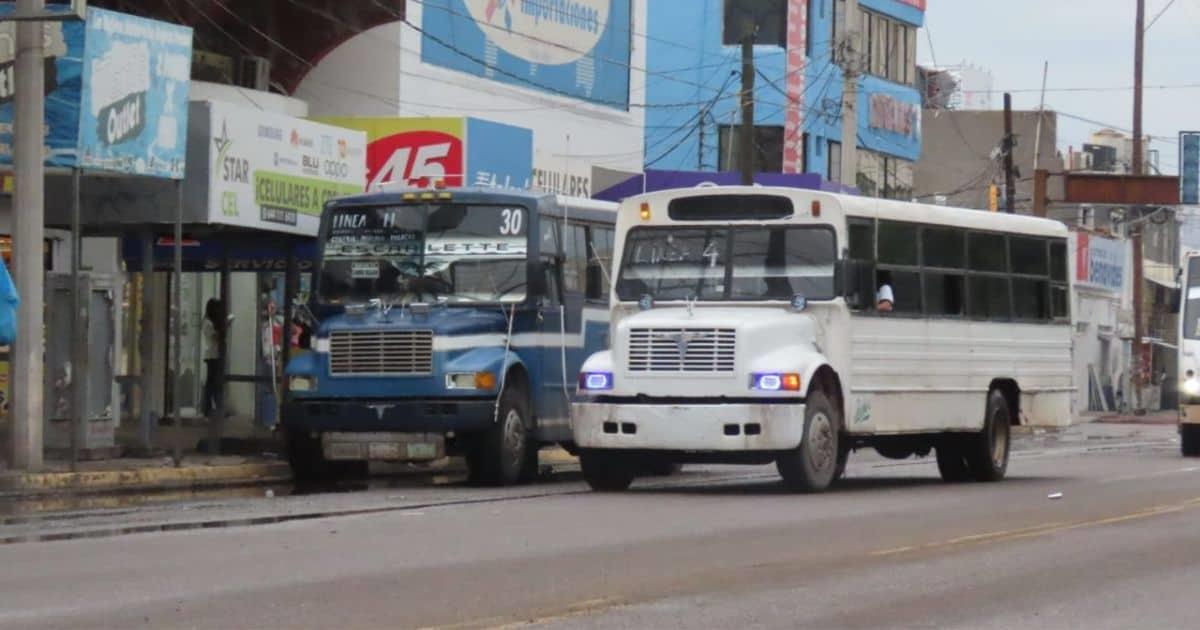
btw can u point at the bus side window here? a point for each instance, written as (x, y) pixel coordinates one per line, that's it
(861, 241)
(549, 236)
(575, 253)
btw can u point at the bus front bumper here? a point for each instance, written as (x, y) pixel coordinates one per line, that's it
(389, 416)
(690, 427)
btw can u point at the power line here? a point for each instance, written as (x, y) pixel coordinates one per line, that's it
(1160, 14)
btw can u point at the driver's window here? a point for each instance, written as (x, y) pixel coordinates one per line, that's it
(552, 271)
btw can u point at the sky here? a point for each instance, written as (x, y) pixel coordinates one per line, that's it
(1089, 44)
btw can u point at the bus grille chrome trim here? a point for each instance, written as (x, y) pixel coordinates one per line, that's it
(711, 350)
(381, 352)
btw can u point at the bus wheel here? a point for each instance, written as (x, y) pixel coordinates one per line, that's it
(843, 458)
(814, 465)
(1189, 438)
(501, 456)
(606, 472)
(950, 460)
(987, 451)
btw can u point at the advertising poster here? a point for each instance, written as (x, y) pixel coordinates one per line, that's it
(574, 48)
(136, 77)
(273, 172)
(64, 46)
(458, 151)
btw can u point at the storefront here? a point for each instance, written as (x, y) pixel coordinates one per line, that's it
(251, 204)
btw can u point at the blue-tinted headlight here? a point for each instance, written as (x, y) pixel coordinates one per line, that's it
(596, 381)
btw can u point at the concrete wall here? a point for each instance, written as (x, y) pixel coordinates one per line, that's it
(956, 157)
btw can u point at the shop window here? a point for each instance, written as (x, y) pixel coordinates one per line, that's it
(768, 148)
(835, 161)
(897, 243)
(943, 247)
(769, 18)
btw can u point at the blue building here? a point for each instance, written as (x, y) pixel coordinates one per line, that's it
(693, 82)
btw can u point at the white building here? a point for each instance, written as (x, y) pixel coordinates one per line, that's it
(1102, 311)
(575, 78)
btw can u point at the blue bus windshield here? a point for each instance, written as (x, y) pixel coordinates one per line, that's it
(422, 253)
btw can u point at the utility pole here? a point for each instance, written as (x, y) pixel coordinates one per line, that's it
(850, 58)
(1139, 372)
(746, 136)
(1010, 184)
(29, 141)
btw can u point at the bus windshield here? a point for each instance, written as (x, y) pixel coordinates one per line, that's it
(723, 263)
(414, 253)
(1191, 300)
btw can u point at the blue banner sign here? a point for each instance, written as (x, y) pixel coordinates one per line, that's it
(133, 117)
(64, 46)
(1189, 168)
(574, 48)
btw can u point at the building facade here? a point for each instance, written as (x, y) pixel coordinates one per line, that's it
(800, 47)
(570, 72)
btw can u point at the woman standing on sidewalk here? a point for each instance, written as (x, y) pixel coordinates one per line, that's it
(214, 341)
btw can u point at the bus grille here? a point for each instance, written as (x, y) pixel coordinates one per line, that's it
(381, 352)
(682, 350)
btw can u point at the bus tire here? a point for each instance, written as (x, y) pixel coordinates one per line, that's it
(1189, 440)
(987, 451)
(951, 462)
(501, 455)
(606, 472)
(843, 458)
(813, 466)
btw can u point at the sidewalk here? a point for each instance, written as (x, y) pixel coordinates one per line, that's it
(1166, 416)
(146, 475)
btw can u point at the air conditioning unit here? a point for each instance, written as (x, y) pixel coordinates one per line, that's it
(254, 73)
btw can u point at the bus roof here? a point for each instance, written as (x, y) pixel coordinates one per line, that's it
(871, 207)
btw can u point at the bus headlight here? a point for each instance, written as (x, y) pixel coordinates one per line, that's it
(485, 381)
(775, 382)
(1192, 386)
(596, 381)
(303, 383)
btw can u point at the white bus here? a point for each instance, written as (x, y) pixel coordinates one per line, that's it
(746, 328)
(1189, 358)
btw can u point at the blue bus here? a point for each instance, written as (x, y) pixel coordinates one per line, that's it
(444, 323)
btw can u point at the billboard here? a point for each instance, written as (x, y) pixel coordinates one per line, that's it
(64, 46)
(274, 172)
(1099, 262)
(136, 77)
(116, 93)
(574, 48)
(458, 151)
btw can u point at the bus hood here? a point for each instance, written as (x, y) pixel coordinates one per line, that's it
(442, 321)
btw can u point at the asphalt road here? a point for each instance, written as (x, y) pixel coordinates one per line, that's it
(717, 548)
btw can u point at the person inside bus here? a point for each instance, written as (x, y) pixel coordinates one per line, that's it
(885, 298)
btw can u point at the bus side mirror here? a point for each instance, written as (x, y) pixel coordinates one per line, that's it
(536, 271)
(595, 282)
(858, 283)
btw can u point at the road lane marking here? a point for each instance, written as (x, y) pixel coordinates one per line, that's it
(1038, 530)
(505, 622)
(1160, 473)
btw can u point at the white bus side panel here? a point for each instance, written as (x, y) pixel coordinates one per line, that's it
(917, 375)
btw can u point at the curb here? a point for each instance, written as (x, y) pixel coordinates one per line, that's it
(145, 479)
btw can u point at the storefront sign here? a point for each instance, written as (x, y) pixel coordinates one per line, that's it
(458, 151)
(561, 183)
(64, 46)
(575, 48)
(274, 172)
(1099, 262)
(117, 89)
(136, 77)
(210, 254)
(894, 115)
